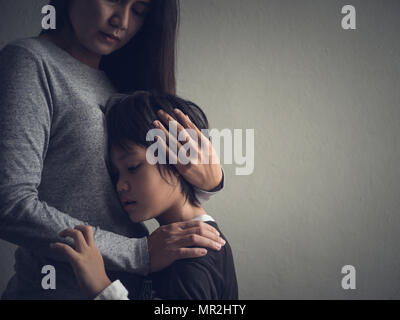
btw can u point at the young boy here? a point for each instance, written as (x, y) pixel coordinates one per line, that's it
(146, 191)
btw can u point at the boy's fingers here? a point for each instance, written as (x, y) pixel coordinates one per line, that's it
(80, 242)
(87, 232)
(66, 250)
(186, 253)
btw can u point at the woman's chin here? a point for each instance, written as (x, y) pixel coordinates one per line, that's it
(103, 50)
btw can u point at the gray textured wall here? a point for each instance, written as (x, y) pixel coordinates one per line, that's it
(324, 104)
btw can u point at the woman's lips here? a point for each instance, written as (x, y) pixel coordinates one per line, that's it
(110, 39)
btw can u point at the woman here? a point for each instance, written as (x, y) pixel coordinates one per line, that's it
(54, 171)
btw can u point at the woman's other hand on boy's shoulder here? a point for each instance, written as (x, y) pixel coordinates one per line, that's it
(181, 240)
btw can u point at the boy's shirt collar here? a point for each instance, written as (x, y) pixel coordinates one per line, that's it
(204, 218)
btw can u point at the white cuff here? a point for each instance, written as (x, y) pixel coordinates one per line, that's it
(115, 291)
(204, 196)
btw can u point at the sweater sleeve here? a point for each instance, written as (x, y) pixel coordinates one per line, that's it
(25, 122)
(204, 196)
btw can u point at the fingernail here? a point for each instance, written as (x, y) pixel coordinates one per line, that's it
(222, 241)
(218, 245)
(217, 232)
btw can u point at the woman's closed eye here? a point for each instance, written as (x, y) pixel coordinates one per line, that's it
(138, 9)
(139, 13)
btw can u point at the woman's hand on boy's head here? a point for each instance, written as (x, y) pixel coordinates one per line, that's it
(206, 173)
(172, 242)
(85, 259)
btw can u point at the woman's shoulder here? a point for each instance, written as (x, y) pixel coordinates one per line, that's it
(20, 59)
(29, 46)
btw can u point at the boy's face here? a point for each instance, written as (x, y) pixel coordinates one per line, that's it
(142, 191)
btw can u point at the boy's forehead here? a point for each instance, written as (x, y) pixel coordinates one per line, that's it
(130, 150)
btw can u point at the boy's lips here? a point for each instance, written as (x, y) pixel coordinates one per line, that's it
(128, 203)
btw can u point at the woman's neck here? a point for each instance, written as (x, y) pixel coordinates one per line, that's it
(66, 40)
(180, 211)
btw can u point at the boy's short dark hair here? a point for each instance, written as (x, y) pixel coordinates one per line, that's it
(130, 117)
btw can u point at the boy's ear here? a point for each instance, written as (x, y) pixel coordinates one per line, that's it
(168, 173)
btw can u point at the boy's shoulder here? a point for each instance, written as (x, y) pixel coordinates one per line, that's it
(192, 279)
(202, 278)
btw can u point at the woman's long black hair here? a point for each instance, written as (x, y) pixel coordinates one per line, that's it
(147, 62)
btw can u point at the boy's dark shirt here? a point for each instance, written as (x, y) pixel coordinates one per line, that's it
(211, 277)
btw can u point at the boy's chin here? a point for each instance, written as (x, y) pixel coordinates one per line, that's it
(136, 219)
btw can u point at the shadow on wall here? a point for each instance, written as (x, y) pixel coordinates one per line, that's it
(6, 263)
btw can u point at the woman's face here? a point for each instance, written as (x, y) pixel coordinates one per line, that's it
(104, 26)
(143, 193)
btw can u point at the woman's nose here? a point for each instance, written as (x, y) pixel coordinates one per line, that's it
(120, 19)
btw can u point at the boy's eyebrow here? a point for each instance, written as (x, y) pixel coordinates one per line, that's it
(126, 155)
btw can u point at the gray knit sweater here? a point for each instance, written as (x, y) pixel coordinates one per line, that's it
(53, 172)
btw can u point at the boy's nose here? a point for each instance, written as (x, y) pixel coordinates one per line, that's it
(122, 186)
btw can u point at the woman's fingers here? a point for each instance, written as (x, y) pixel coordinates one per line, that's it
(171, 140)
(186, 253)
(202, 232)
(172, 156)
(80, 242)
(189, 138)
(181, 240)
(87, 232)
(198, 147)
(202, 140)
(186, 122)
(197, 224)
(166, 120)
(194, 240)
(65, 250)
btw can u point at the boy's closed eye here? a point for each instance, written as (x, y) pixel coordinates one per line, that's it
(134, 169)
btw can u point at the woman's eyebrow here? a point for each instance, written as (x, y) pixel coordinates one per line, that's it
(147, 4)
